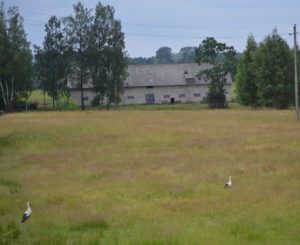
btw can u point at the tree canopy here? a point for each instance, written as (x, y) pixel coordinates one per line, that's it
(245, 78)
(210, 51)
(164, 55)
(108, 62)
(88, 50)
(16, 58)
(50, 61)
(265, 73)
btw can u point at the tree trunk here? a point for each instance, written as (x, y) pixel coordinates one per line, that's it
(3, 95)
(107, 104)
(7, 98)
(12, 95)
(81, 91)
(44, 99)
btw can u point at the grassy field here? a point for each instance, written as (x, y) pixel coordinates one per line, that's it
(150, 177)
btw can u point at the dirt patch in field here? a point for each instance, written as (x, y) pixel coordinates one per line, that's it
(203, 142)
(261, 147)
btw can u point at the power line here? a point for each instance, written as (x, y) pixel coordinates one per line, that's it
(178, 36)
(37, 13)
(203, 27)
(153, 35)
(177, 26)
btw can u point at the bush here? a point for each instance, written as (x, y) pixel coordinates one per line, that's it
(96, 100)
(21, 105)
(66, 105)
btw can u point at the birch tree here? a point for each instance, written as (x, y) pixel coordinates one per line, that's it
(50, 60)
(17, 71)
(108, 59)
(78, 31)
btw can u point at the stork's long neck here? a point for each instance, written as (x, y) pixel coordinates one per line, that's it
(28, 205)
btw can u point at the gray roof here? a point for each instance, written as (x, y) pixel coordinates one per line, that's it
(163, 74)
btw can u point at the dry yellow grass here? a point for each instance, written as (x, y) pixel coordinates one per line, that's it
(152, 177)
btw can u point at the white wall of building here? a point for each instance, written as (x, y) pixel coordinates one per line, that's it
(162, 94)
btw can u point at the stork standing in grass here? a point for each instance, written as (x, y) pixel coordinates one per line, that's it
(27, 213)
(228, 184)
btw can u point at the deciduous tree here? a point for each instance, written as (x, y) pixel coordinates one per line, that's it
(78, 31)
(17, 71)
(50, 60)
(274, 72)
(245, 78)
(164, 56)
(222, 60)
(108, 59)
(3, 56)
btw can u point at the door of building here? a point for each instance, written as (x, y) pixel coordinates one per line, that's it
(149, 98)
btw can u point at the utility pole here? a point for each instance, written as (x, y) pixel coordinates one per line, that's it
(296, 75)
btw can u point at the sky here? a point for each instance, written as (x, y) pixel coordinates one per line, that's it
(151, 24)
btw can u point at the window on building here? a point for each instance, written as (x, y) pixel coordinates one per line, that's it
(189, 80)
(166, 96)
(130, 97)
(197, 94)
(181, 95)
(85, 98)
(149, 86)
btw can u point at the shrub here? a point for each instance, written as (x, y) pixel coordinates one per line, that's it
(21, 105)
(96, 100)
(66, 105)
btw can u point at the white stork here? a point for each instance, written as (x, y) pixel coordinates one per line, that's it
(27, 213)
(228, 184)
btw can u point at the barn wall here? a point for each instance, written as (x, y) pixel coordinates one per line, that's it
(162, 94)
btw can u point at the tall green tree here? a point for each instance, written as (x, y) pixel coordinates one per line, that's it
(274, 72)
(50, 60)
(16, 79)
(245, 77)
(108, 59)
(164, 56)
(78, 30)
(4, 55)
(210, 51)
(186, 55)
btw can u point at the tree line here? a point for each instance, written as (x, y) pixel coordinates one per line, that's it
(86, 49)
(265, 73)
(164, 55)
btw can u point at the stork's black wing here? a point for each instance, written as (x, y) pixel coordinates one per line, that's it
(24, 217)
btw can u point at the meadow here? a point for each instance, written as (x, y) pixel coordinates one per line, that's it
(150, 177)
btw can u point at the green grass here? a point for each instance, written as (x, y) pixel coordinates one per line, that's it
(63, 104)
(150, 177)
(38, 96)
